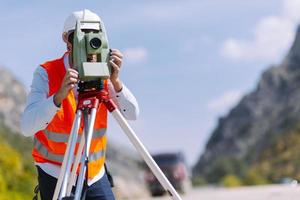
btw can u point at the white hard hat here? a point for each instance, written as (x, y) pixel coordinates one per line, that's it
(83, 15)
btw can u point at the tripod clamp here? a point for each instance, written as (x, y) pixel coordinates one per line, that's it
(92, 99)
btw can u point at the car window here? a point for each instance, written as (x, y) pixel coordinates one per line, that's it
(168, 159)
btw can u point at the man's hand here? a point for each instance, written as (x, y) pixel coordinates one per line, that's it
(116, 63)
(68, 83)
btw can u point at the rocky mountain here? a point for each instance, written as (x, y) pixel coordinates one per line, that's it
(123, 164)
(12, 100)
(259, 119)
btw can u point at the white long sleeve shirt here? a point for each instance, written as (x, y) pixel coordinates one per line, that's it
(40, 109)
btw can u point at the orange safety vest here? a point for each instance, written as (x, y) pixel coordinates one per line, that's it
(50, 144)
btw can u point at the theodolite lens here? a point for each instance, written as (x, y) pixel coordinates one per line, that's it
(95, 43)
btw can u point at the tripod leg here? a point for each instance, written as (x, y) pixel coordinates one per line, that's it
(72, 180)
(68, 159)
(89, 128)
(145, 155)
(73, 176)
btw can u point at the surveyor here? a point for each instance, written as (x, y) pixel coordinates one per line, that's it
(51, 107)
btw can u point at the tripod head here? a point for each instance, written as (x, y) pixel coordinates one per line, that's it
(91, 43)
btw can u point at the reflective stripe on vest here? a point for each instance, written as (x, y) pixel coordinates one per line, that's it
(64, 137)
(59, 158)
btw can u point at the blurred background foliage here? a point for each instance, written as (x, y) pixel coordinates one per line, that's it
(17, 173)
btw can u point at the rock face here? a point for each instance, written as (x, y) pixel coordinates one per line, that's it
(271, 109)
(12, 100)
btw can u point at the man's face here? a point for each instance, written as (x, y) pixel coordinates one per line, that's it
(90, 57)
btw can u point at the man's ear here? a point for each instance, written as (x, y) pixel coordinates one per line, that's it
(65, 37)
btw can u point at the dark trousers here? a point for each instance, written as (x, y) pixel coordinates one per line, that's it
(100, 190)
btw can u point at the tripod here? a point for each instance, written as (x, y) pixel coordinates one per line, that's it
(88, 103)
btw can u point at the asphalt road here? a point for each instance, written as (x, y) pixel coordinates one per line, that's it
(269, 192)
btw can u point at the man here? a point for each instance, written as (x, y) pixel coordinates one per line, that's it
(51, 107)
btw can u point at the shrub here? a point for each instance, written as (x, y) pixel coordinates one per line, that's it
(231, 181)
(254, 178)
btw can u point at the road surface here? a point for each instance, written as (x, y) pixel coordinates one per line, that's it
(269, 192)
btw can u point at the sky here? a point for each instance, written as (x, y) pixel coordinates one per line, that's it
(187, 62)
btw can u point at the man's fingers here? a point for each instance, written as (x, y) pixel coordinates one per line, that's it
(116, 52)
(72, 70)
(73, 80)
(73, 75)
(70, 87)
(114, 65)
(116, 60)
(70, 80)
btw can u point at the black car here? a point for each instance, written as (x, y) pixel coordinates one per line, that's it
(174, 167)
